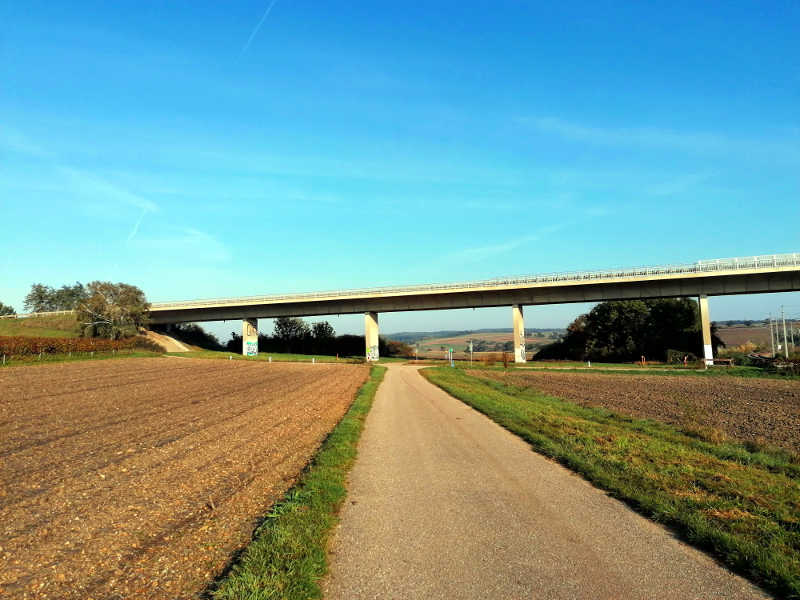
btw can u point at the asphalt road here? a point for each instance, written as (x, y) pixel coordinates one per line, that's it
(443, 503)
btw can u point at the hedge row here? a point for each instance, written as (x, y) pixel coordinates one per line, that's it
(17, 345)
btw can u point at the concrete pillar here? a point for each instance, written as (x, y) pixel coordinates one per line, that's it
(250, 337)
(705, 327)
(371, 335)
(519, 333)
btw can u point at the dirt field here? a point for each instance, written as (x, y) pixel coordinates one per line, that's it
(760, 410)
(139, 478)
(736, 336)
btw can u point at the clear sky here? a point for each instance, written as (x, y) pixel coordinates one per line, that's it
(205, 149)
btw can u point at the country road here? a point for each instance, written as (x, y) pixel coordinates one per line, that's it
(443, 503)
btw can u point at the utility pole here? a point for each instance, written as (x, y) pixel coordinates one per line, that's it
(785, 344)
(771, 339)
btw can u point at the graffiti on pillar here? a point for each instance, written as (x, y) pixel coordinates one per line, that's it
(251, 331)
(372, 353)
(521, 356)
(251, 348)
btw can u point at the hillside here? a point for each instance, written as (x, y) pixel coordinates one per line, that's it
(62, 326)
(430, 337)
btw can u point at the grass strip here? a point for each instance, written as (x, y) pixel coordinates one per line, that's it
(752, 372)
(82, 356)
(287, 558)
(742, 506)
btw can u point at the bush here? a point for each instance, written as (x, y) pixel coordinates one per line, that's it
(22, 346)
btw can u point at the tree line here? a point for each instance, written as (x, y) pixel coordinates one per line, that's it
(293, 335)
(626, 330)
(102, 308)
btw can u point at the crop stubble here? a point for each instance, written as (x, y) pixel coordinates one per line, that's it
(745, 409)
(140, 478)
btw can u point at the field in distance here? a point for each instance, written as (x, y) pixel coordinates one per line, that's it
(485, 341)
(736, 336)
(140, 478)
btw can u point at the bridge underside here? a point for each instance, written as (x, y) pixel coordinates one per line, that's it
(717, 285)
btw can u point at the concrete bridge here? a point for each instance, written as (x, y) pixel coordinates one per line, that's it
(701, 279)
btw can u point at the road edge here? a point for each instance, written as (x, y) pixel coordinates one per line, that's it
(288, 555)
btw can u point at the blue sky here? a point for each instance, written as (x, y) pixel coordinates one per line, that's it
(214, 149)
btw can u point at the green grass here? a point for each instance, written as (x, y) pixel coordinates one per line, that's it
(287, 558)
(628, 369)
(76, 357)
(743, 506)
(63, 326)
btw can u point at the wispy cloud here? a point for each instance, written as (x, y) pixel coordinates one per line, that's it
(649, 137)
(13, 140)
(90, 185)
(185, 244)
(479, 253)
(257, 27)
(679, 184)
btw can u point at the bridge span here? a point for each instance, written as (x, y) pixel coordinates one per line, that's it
(701, 279)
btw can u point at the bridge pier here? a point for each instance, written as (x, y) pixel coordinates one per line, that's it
(705, 327)
(519, 333)
(371, 335)
(250, 337)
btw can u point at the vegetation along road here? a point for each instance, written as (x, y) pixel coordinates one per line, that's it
(444, 503)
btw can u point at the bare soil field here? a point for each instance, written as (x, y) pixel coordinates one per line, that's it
(139, 478)
(736, 336)
(755, 410)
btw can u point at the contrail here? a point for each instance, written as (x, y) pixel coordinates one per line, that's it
(135, 229)
(257, 27)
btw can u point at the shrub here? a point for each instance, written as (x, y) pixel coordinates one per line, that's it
(22, 346)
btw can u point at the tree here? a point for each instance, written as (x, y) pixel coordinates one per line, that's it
(43, 298)
(5, 309)
(628, 329)
(290, 332)
(68, 297)
(112, 310)
(322, 331)
(39, 299)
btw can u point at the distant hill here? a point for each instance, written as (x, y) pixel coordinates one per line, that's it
(410, 337)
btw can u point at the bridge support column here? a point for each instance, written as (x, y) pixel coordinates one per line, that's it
(250, 337)
(371, 335)
(705, 327)
(519, 333)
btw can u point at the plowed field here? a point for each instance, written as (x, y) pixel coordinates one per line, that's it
(756, 410)
(139, 478)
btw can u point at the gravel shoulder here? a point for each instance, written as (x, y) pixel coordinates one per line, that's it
(139, 478)
(745, 409)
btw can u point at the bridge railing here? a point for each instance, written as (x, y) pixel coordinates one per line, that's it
(701, 266)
